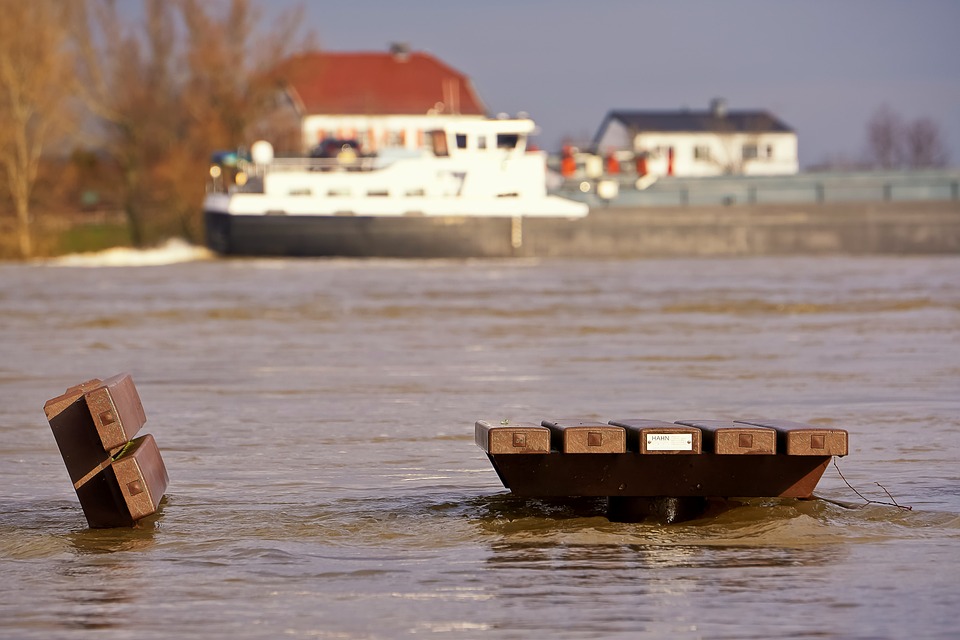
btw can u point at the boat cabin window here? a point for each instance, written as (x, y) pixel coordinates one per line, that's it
(507, 140)
(438, 143)
(461, 141)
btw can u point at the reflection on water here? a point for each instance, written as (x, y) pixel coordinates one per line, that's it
(588, 558)
(138, 538)
(316, 420)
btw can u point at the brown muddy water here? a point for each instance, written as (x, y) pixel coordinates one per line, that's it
(316, 418)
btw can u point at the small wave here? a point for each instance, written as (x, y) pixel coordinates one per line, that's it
(172, 251)
(795, 308)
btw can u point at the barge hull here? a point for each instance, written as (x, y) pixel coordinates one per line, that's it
(879, 228)
(359, 236)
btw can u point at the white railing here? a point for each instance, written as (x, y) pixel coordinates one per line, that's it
(320, 164)
(253, 174)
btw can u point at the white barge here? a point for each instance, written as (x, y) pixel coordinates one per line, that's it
(466, 195)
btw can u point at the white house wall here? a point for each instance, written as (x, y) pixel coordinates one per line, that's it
(721, 153)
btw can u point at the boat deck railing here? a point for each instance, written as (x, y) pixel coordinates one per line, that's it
(247, 177)
(323, 164)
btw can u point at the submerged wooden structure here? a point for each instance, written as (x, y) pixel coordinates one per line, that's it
(639, 463)
(119, 478)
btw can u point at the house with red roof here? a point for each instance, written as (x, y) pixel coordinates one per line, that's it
(379, 99)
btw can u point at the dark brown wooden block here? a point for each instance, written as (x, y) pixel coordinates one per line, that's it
(586, 436)
(141, 476)
(116, 410)
(53, 406)
(101, 501)
(726, 437)
(632, 474)
(76, 436)
(510, 438)
(801, 439)
(658, 437)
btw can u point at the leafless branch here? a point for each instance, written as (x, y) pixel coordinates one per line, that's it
(893, 502)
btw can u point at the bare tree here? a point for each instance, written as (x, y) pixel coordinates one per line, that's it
(885, 134)
(169, 96)
(227, 88)
(128, 84)
(894, 143)
(35, 87)
(924, 145)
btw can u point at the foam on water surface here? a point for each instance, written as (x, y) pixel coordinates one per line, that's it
(173, 251)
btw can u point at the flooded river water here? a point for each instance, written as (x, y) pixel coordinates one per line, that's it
(316, 419)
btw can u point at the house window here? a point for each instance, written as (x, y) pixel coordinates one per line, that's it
(481, 142)
(461, 141)
(750, 151)
(701, 152)
(769, 150)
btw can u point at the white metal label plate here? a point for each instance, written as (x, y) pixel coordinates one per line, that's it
(669, 442)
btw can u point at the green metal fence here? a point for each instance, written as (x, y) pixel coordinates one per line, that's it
(880, 186)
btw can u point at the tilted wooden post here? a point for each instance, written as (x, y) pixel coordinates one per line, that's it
(118, 478)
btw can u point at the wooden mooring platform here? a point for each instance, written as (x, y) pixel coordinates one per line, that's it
(645, 467)
(118, 477)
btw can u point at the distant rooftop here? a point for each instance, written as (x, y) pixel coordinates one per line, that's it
(378, 83)
(716, 119)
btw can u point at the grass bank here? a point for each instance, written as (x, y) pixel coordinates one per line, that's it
(58, 234)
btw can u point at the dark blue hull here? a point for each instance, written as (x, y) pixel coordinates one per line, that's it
(359, 236)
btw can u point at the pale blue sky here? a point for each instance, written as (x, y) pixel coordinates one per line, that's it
(822, 66)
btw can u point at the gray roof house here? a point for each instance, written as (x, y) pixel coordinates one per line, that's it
(714, 141)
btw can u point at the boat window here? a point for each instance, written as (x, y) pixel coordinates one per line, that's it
(461, 141)
(507, 140)
(438, 142)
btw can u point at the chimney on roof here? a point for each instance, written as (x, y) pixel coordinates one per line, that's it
(400, 51)
(718, 107)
